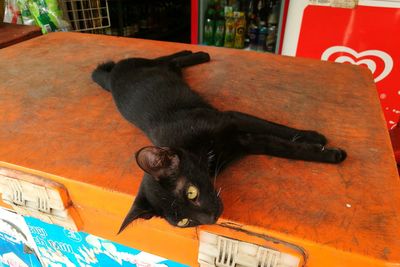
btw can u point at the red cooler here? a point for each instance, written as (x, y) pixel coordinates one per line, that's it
(366, 34)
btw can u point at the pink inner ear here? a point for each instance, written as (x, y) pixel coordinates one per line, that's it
(157, 161)
(148, 158)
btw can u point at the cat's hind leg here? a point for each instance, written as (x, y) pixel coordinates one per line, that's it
(175, 55)
(248, 123)
(275, 146)
(191, 60)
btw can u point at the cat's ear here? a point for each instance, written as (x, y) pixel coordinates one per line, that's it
(159, 162)
(140, 209)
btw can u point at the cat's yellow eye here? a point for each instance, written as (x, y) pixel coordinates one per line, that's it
(192, 192)
(183, 222)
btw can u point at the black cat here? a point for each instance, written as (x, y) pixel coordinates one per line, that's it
(193, 140)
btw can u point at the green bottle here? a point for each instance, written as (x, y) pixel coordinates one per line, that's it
(209, 27)
(219, 30)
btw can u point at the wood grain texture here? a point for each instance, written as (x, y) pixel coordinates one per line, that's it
(12, 33)
(55, 119)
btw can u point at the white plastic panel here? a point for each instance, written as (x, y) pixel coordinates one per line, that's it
(220, 251)
(36, 200)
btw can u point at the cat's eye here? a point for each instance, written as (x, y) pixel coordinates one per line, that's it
(192, 192)
(183, 222)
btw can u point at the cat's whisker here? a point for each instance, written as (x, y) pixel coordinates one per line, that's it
(216, 170)
(211, 157)
(221, 166)
(295, 137)
(173, 203)
(219, 191)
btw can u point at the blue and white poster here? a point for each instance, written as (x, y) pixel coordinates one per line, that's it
(29, 242)
(59, 247)
(17, 247)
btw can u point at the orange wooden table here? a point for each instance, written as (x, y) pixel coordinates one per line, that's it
(58, 124)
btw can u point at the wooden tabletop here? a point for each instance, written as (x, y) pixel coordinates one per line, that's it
(13, 33)
(53, 118)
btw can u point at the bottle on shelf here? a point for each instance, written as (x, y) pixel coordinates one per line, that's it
(272, 28)
(253, 35)
(229, 39)
(219, 29)
(240, 26)
(262, 37)
(250, 24)
(209, 25)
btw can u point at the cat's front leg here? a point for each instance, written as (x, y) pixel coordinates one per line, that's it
(271, 145)
(311, 137)
(251, 124)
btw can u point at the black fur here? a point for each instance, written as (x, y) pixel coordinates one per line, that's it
(193, 141)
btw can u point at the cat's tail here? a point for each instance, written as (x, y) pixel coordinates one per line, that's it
(101, 75)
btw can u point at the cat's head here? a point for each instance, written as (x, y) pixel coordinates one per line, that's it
(176, 186)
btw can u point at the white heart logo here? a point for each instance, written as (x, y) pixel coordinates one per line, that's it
(368, 58)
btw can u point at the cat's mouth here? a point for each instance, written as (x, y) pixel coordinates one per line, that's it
(214, 216)
(207, 218)
(211, 216)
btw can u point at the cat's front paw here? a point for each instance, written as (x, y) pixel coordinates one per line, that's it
(335, 155)
(311, 137)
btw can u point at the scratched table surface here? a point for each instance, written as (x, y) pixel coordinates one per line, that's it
(53, 118)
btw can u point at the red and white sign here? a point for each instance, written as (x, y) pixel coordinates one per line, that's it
(366, 35)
